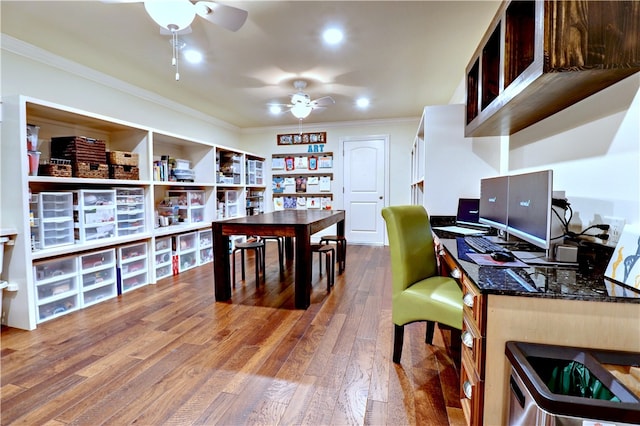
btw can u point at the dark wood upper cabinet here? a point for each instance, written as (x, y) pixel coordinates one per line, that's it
(539, 57)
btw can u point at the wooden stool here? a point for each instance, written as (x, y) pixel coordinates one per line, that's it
(328, 252)
(341, 246)
(258, 247)
(280, 241)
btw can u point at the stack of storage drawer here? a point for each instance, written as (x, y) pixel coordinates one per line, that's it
(98, 277)
(56, 283)
(190, 205)
(51, 219)
(186, 250)
(205, 246)
(66, 284)
(94, 214)
(163, 258)
(132, 263)
(130, 211)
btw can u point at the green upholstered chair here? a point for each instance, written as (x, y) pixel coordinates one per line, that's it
(419, 293)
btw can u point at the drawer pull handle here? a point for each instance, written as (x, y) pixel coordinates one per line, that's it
(467, 339)
(455, 273)
(467, 389)
(468, 300)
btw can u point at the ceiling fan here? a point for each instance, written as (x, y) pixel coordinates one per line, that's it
(301, 104)
(175, 17)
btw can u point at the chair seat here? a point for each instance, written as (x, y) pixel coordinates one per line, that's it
(436, 298)
(258, 246)
(341, 243)
(280, 240)
(249, 245)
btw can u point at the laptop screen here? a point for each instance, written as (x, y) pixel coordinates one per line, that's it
(468, 210)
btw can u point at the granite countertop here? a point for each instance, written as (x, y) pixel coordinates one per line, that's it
(583, 282)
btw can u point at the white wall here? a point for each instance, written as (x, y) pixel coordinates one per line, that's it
(593, 148)
(401, 134)
(43, 76)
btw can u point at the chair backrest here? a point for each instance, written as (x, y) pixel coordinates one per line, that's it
(413, 256)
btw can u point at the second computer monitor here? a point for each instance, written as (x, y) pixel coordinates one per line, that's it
(494, 193)
(530, 199)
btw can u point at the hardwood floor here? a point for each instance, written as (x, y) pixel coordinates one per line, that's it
(169, 354)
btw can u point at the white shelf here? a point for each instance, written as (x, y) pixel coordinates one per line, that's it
(150, 145)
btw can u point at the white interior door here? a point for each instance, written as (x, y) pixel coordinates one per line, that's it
(365, 167)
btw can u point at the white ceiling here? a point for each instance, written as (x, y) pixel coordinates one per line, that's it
(403, 55)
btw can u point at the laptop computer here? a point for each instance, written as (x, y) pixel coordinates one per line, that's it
(467, 218)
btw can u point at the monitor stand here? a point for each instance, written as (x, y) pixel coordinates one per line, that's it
(540, 258)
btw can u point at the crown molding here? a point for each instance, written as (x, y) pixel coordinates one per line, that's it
(295, 128)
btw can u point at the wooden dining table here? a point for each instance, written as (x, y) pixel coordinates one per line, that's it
(298, 224)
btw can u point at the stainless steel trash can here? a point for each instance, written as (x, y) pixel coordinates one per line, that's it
(531, 402)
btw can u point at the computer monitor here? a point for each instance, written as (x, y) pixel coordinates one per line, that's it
(468, 211)
(530, 203)
(494, 192)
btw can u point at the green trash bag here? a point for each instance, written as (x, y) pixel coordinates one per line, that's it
(575, 379)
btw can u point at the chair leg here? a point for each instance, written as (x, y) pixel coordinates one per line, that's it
(431, 325)
(242, 263)
(258, 257)
(329, 263)
(264, 263)
(281, 255)
(398, 338)
(343, 262)
(233, 267)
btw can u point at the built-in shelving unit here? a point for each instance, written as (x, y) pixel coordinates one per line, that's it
(417, 165)
(131, 224)
(539, 57)
(440, 146)
(302, 180)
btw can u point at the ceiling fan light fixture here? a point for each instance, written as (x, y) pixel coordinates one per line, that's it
(174, 15)
(301, 111)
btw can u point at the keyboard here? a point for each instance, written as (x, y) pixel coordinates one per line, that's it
(482, 245)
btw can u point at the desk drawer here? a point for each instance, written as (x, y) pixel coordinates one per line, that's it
(471, 393)
(473, 305)
(473, 346)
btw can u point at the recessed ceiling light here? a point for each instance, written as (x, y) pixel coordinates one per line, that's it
(275, 109)
(332, 36)
(192, 56)
(362, 102)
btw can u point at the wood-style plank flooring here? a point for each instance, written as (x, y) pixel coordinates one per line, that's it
(169, 354)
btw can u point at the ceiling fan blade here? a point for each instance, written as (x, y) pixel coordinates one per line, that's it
(323, 102)
(228, 17)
